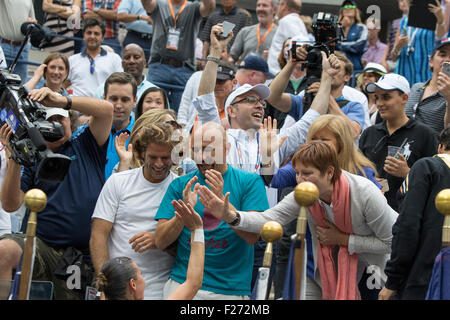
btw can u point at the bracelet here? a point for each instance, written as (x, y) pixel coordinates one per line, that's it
(139, 17)
(69, 103)
(199, 235)
(236, 220)
(214, 59)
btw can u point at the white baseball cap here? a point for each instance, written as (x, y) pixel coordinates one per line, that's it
(389, 82)
(261, 89)
(56, 111)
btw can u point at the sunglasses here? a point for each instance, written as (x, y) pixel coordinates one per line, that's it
(349, 6)
(174, 124)
(92, 66)
(252, 100)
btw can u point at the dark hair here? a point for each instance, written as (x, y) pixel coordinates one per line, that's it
(114, 277)
(122, 78)
(319, 155)
(88, 23)
(444, 138)
(140, 102)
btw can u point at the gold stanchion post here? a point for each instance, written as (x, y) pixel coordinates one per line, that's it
(442, 203)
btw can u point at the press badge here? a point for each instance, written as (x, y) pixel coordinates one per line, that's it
(172, 39)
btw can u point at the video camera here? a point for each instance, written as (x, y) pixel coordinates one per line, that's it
(327, 32)
(30, 128)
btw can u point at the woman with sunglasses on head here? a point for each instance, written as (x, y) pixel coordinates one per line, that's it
(355, 34)
(351, 216)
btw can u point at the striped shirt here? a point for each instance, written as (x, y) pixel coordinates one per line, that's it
(59, 25)
(239, 18)
(415, 65)
(112, 27)
(430, 111)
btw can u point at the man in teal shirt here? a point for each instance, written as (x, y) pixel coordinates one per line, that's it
(228, 252)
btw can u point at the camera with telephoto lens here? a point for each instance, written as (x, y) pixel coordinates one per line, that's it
(30, 128)
(327, 32)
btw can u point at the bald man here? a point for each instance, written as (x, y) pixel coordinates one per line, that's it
(133, 62)
(228, 254)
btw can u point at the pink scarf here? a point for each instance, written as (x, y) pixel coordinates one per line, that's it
(343, 285)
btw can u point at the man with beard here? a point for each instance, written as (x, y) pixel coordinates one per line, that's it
(228, 254)
(123, 221)
(91, 67)
(256, 39)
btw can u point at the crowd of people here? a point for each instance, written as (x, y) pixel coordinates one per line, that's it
(173, 173)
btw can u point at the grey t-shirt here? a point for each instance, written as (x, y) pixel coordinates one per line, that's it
(246, 42)
(188, 23)
(12, 14)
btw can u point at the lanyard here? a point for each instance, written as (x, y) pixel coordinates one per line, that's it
(258, 158)
(175, 17)
(258, 31)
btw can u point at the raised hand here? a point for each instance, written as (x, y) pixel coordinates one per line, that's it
(143, 241)
(214, 180)
(125, 153)
(186, 213)
(216, 42)
(436, 9)
(269, 141)
(5, 135)
(190, 196)
(330, 65)
(218, 207)
(47, 97)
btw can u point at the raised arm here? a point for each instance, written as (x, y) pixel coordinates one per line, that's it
(194, 274)
(101, 111)
(149, 5)
(278, 98)
(206, 7)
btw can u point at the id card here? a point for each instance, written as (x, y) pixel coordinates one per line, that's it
(172, 39)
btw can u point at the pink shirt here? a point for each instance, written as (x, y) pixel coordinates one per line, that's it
(375, 53)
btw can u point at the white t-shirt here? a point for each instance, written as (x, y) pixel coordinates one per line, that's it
(5, 219)
(130, 202)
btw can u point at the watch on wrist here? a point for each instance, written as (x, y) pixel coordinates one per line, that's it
(139, 17)
(236, 220)
(96, 10)
(214, 59)
(69, 103)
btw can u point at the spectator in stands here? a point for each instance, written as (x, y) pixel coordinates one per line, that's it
(228, 12)
(105, 10)
(253, 70)
(133, 62)
(426, 103)
(175, 28)
(152, 98)
(355, 33)
(409, 139)
(120, 90)
(138, 24)
(289, 25)
(63, 226)
(13, 13)
(375, 49)
(93, 65)
(418, 230)
(256, 39)
(387, 62)
(414, 45)
(55, 70)
(57, 14)
(372, 73)
(123, 220)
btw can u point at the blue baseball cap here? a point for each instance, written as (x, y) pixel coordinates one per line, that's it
(257, 63)
(442, 43)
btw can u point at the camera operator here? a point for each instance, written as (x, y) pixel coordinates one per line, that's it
(63, 227)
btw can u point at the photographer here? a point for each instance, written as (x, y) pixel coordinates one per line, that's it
(63, 227)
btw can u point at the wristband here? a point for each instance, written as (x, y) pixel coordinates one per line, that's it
(199, 235)
(236, 220)
(69, 103)
(214, 59)
(139, 17)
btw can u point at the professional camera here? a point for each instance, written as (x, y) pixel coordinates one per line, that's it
(39, 35)
(327, 32)
(30, 130)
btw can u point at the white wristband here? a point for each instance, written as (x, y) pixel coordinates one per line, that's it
(199, 235)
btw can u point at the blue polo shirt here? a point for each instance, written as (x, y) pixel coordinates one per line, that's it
(112, 156)
(66, 220)
(135, 7)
